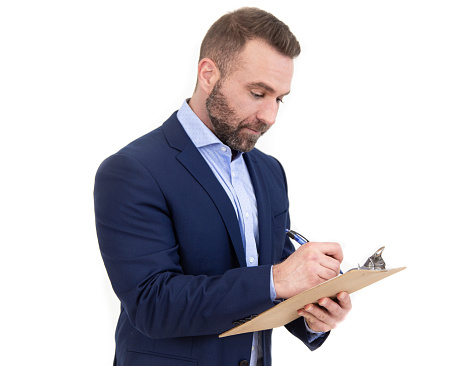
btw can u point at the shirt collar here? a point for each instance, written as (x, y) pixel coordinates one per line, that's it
(196, 130)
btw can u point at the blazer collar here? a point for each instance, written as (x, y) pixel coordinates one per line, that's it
(193, 161)
(264, 209)
(190, 157)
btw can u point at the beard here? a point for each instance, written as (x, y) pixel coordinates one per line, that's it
(228, 127)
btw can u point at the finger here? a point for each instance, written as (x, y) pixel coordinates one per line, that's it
(331, 264)
(344, 300)
(321, 314)
(337, 310)
(332, 308)
(316, 325)
(332, 249)
(326, 273)
(314, 322)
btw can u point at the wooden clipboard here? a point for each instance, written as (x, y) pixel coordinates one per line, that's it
(286, 311)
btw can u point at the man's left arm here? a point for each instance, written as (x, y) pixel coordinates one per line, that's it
(327, 313)
(317, 320)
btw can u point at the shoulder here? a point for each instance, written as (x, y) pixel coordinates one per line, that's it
(155, 146)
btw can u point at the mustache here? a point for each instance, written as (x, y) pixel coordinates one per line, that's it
(258, 125)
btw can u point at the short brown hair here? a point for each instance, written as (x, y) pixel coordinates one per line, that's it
(228, 35)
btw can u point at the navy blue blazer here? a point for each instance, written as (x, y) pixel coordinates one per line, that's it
(171, 244)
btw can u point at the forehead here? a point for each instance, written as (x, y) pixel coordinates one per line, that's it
(261, 63)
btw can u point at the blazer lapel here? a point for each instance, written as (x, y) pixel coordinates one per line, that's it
(263, 208)
(196, 165)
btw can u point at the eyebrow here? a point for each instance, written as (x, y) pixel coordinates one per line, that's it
(262, 85)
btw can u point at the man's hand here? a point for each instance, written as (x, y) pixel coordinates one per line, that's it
(327, 314)
(310, 265)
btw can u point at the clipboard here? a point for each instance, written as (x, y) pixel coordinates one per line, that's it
(286, 311)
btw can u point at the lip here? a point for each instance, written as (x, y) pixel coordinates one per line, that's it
(255, 132)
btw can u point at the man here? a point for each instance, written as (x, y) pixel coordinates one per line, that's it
(191, 218)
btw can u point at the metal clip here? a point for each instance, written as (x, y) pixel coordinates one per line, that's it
(375, 262)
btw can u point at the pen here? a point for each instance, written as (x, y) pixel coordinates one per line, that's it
(299, 238)
(296, 236)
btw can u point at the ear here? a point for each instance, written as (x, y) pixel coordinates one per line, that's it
(208, 75)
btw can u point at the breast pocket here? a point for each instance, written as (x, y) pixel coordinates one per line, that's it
(280, 221)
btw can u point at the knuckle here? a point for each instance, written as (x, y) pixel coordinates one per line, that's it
(313, 257)
(312, 252)
(312, 273)
(337, 246)
(308, 246)
(322, 316)
(337, 312)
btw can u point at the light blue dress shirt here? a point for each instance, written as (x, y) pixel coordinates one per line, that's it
(234, 177)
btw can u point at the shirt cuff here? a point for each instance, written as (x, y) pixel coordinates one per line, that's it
(311, 335)
(272, 286)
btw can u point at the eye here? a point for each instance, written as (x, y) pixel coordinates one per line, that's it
(256, 95)
(279, 100)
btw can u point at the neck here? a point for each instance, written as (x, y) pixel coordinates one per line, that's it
(198, 105)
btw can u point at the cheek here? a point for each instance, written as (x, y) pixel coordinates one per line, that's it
(247, 110)
(244, 106)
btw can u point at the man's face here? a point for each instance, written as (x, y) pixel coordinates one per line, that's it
(243, 105)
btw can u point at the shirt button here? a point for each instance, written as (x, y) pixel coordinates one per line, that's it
(247, 215)
(251, 259)
(224, 148)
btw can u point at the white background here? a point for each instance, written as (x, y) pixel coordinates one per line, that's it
(374, 138)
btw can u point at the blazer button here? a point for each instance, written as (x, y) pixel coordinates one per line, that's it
(244, 363)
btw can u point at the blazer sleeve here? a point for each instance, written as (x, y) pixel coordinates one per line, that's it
(139, 249)
(298, 329)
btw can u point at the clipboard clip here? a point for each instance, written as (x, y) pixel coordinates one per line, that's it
(375, 262)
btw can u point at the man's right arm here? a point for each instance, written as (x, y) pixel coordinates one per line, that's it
(309, 266)
(140, 250)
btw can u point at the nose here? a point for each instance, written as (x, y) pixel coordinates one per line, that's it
(268, 112)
